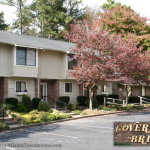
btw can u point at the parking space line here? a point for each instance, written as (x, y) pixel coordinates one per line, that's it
(10, 148)
(73, 137)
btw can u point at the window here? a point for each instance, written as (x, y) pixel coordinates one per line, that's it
(25, 56)
(103, 88)
(71, 61)
(21, 86)
(68, 87)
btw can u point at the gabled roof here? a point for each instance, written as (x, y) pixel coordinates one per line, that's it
(33, 42)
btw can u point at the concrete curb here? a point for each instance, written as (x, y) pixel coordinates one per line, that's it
(56, 121)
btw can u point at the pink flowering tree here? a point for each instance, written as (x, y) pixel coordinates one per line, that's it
(102, 57)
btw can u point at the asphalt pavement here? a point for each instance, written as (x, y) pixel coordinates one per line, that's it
(94, 133)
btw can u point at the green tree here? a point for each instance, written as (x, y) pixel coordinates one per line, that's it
(52, 17)
(3, 25)
(121, 19)
(23, 20)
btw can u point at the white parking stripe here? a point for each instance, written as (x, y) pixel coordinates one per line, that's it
(53, 134)
(10, 148)
(73, 137)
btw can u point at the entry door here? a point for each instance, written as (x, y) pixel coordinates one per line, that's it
(44, 91)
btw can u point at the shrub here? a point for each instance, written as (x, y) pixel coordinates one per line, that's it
(81, 100)
(22, 108)
(71, 107)
(34, 112)
(44, 116)
(3, 126)
(9, 107)
(27, 102)
(63, 99)
(115, 96)
(35, 102)
(77, 112)
(12, 101)
(44, 106)
(100, 99)
(94, 103)
(133, 99)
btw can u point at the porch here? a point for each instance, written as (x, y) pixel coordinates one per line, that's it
(48, 90)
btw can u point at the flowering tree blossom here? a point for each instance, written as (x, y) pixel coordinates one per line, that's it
(103, 57)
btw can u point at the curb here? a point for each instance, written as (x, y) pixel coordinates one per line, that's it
(56, 121)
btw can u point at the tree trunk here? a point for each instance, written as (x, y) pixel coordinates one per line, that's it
(128, 92)
(90, 98)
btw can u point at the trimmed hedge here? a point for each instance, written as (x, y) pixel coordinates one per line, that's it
(115, 96)
(81, 100)
(100, 99)
(13, 102)
(35, 102)
(63, 99)
(133, 99)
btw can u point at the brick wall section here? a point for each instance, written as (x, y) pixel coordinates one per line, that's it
(3, 89)
(52, 90)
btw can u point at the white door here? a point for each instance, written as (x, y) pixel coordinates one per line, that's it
(44, 91)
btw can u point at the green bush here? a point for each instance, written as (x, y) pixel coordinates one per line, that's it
(9, 107)
(27, 102)
(77, 112)
(13, 102)
(35, 103)
(115, 96)
(63, 99)
(100, 99)
(3, 126)
(44, 106)
(71, 107)
(133, 99)
(81, 100)
(94, 103)
(44, 116)
(22, 108)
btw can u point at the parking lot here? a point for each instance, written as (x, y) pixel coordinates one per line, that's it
(94, 133)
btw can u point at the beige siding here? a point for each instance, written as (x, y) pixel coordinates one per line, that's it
(75, 90)
(30, 85)
(52, 65)
(6, 60)
(25, 71)
(108, 89)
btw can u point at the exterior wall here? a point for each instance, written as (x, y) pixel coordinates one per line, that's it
(30, 85)
(147, 91)
(108, 89)
(52, 65)
(75, 90)
(6, 60)
(136, 91)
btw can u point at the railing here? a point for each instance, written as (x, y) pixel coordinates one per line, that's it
(55, 105)
(144, 100)
(2, 112)
(114, 101)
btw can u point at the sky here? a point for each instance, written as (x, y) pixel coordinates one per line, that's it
(140, 6)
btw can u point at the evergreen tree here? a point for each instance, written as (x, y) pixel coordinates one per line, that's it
(3, 25)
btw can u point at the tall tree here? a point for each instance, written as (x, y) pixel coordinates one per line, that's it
(3, 25)
(102, 57)
(24, 19)
(53, 16)
(121, 19)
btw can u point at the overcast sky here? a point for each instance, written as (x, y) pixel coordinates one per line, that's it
(140, 6)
